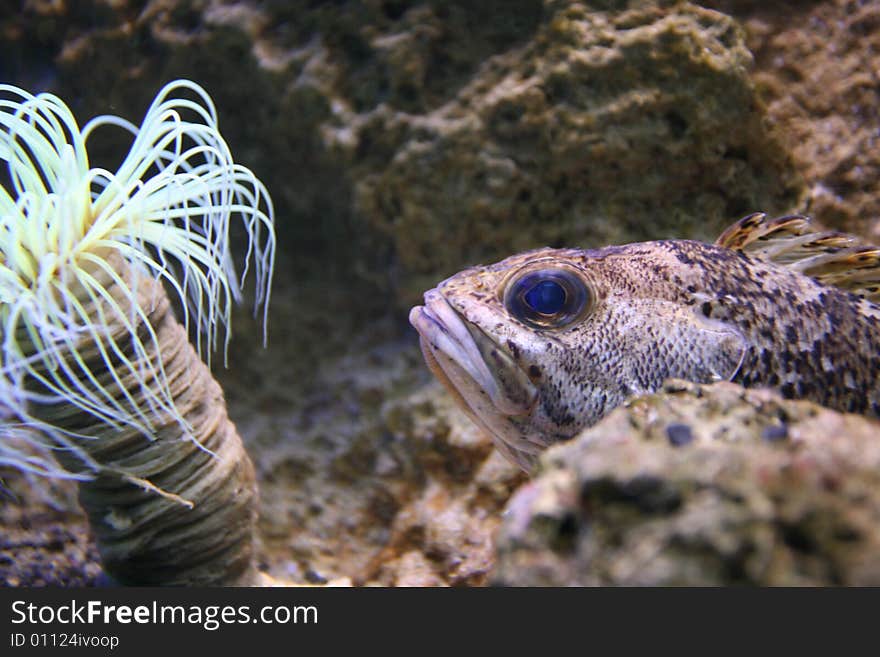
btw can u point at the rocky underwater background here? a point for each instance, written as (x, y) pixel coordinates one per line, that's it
(402, 141)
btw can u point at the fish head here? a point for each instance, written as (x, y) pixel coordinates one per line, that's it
(543, 344)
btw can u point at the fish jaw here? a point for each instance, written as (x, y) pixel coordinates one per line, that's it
(492, 370)
(482, 377)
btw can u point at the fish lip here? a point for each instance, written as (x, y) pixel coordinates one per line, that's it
(443, 328)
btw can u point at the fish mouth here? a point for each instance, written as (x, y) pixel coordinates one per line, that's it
(483, 378)
(446, 337)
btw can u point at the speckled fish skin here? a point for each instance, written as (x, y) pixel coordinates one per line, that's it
(658, 310)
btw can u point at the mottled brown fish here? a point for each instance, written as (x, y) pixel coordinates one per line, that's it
(540, 345)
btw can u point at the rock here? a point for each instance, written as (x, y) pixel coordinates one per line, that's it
(815, 68)
(45, 537)
(768, 492)
(606, 126)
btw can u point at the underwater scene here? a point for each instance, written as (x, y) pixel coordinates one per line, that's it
(440, 293)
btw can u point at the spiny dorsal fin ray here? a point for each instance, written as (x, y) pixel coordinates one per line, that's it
(831, 257)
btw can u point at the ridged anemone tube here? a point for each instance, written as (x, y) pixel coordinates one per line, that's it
(94, 362)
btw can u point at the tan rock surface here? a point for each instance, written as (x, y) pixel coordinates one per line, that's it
(816, 68)
(702, 485)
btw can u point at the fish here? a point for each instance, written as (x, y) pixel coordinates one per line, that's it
(545, 343)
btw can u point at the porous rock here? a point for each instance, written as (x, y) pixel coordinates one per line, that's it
(607, 126)
(816, 71)
(768, 492)
(45, 537)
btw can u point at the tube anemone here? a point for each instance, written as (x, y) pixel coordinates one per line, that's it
(92, 357)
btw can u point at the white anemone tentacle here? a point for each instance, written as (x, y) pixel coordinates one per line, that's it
(166, 211)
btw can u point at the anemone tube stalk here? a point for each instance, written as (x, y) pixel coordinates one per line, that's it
(93, 360)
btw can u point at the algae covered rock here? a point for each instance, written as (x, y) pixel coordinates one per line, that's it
(607, 126)
(702, 485)
(815, 70)
(45, 536)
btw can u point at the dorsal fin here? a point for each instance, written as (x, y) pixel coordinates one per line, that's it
(831, 257)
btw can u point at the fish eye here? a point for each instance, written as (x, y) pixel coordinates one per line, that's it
(547, 298)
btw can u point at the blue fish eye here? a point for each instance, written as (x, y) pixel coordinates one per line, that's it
(550, 298)
(547, 297)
